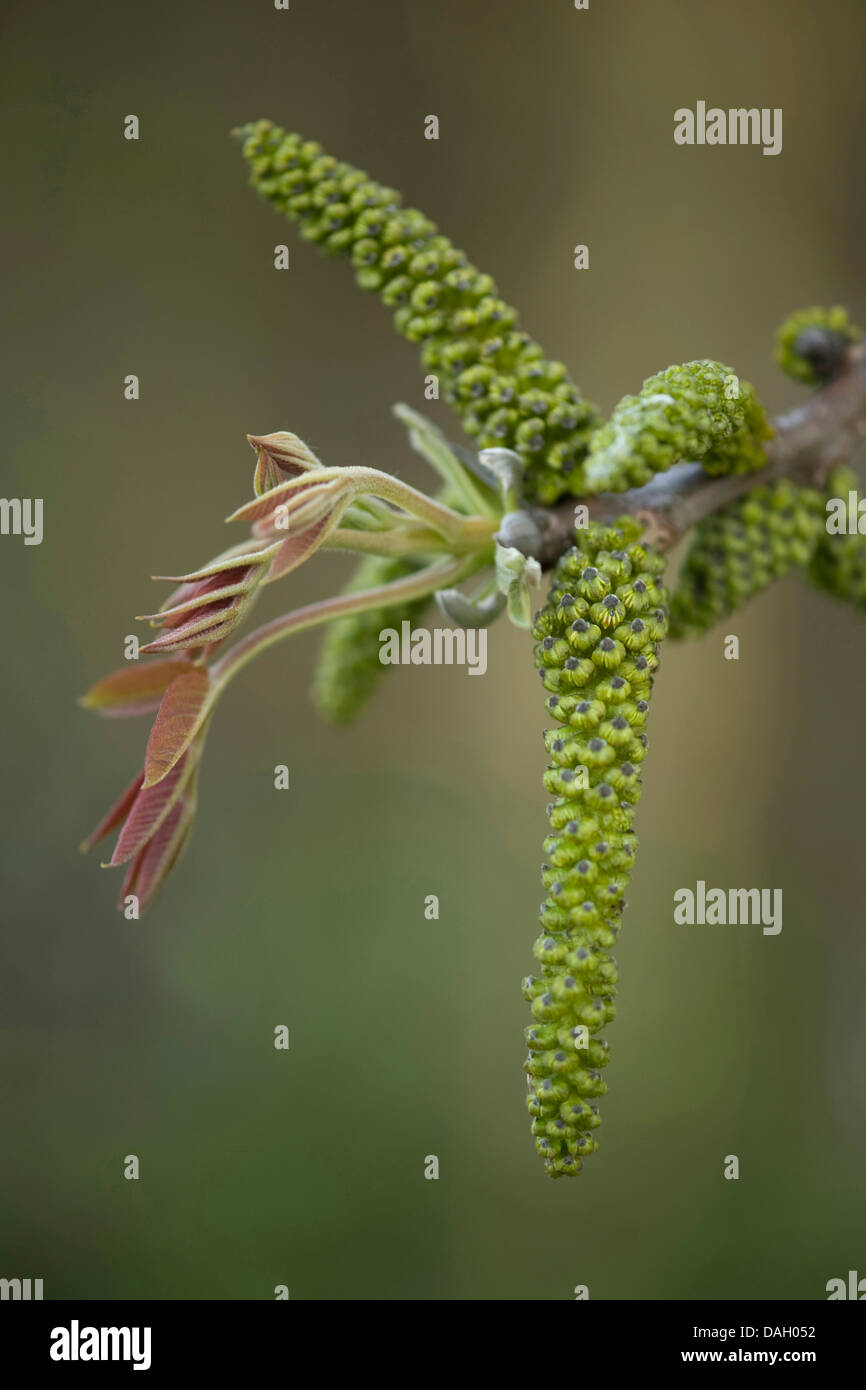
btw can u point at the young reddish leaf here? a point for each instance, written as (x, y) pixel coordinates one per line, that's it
(241, 556)
(134, 689)
(298, 548)
(172, 613)
(118, 813)
(148, 811)
(264, 506)
(200, 632)
(306, 510)
(210, 603)
(203, 611)
(278, 457)
(154, 862)
(235, 582)
(180, 717)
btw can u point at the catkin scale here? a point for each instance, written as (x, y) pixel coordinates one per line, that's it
(740, 550)
(505, 391)
(605, 590)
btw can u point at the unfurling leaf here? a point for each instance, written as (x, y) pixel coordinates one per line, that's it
(516, 576)
(279, 457)
(116, 815)
(156, 822)
(466, 612)
(134, 689)
(304, 510)
(151, 806)
(211, 601)
(158, 855)
(181, 716)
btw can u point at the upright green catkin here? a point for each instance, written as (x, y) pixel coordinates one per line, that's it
(496, 377)
(349, 669)
(838, 564)
(698, 411)
(738, 551)
(598, 638)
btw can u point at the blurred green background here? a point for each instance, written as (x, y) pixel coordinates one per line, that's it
(261, 1168)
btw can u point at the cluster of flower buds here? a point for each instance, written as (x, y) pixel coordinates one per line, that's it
(597, 649)
(740, 550)
(811, 344)
(497, 378)
(699, 411)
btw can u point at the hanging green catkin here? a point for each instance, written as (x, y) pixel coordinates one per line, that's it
(597, 649)
(349, 669)
(698, 412)
(838, 564)
(497, 378)
(738, 551)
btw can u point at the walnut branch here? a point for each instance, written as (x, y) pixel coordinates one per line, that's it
(807, 442)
